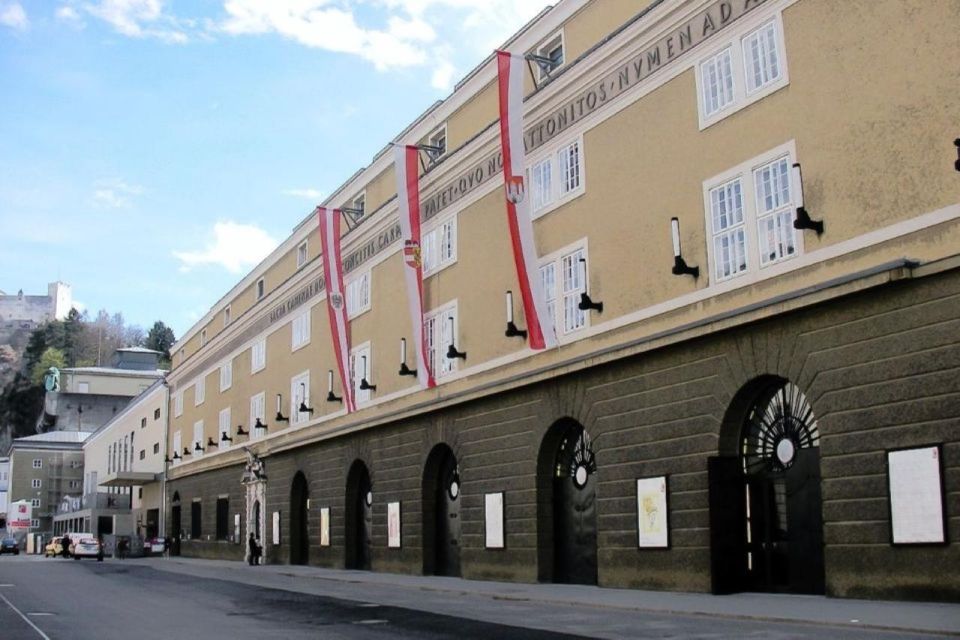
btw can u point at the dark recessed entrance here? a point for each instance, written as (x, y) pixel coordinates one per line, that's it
(766, 520)
(567, 505)
(176, 524)
(299, 539)
(359, 517)
(441, 513)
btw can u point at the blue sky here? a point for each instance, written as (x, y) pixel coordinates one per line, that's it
(152, 152)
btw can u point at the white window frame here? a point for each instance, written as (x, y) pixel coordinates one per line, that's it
(543, 50)
(258, 407)
(431, 243)
(258, 356)
(34, 523)
(745, 173)
(303, 253)
(356, 374)
(178, 404)
(432, 137)
(35, 503)
(558, 298)
(178, 445)
(203, 337)
(735, 43)
(197, 431)
(226, 316)
(200, 390)
(297, 396)
(38, 463)
(260, 289)
(550, 162)
(226, 375)
(300, 331)
(353, 287)
(438, 339)
(36, 483)
(223, 425)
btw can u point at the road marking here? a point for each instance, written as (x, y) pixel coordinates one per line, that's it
(369, 622)
(368, 604)
(39, 613)
(25, 618)
(7, 585)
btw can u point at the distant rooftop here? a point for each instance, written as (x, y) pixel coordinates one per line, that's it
(140, 350)
(113, 371)
(76, 437)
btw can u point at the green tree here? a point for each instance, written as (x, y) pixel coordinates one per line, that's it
(52, 357)
(73, 338)
(160, 338)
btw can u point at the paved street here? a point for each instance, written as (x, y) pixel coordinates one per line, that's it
(158, 598)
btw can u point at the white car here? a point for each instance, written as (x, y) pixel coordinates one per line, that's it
(87, 548)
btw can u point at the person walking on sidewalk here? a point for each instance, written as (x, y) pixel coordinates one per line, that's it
(254, 551)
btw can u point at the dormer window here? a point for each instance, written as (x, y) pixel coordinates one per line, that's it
(260, 288)
(437, 141)
(226, 316)
(355, 209)
(549, 56)
(302, 254)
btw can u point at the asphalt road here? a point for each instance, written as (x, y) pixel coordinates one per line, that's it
(59, 599)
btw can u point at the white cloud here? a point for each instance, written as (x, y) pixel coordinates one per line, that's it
(140, 19)
(310, 194)
(69, 15)
(115, 194)
(233, 246)
(12, 15)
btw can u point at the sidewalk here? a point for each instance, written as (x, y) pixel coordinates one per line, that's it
(413, 592)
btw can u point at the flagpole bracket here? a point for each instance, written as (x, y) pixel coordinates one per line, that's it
(513, 332)
(407, 371)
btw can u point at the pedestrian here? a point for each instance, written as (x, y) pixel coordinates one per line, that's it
(253, 550)
(122, 547)
(65, 546)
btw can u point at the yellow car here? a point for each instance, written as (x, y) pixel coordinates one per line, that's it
(54, 548)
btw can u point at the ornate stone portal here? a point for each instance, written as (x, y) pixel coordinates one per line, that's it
(255, 481)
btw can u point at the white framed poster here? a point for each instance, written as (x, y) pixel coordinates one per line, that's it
(236, 528)
(915, 482)
(493, 518)
(393, 525)
(276, 527)
(653, 531)
(324, 526)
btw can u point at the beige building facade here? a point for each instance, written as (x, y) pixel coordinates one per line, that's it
(766, 394)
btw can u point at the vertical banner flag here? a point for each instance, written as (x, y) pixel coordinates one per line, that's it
(540, 329)
(336, 300)
(405, 163)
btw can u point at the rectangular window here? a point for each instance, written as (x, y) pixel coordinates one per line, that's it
(226, 316)
(34, 502)
(359, 205)
(156, 413)
(178, 404)
(198, 440)
(258, 355)
(226, 375)
(143, 423)
(196, 520)
(750, 211)
(177, 444)
(550, 55)
(300, 328)
(74, 484)
(761, 59)
(257, 407)
(260, 288)
(203, 337)
(299, 396)
(34, 523)
(440, 329)
(38, 463)
(143, 454)
(200, 390)
(439, 246)
(556, 177)
(717, 82)
(564, 278)
(223, 422)
(223, 517)
(361, 367)
(358, 295)
(36, 483)
(302, 254)
(438, 140)
(156, 447)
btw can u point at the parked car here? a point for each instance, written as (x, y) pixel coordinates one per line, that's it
(87, 548)
(9, 545)
(54, 548)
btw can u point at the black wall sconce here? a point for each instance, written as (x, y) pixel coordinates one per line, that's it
(176, 455)
(404, 369)
(330, 395)
(280, 417)
(803, 221)
(452, 349)
(211, 443)
(167, 460)
(197, 447)
(512, 331)
(186, 452)
(956, 165)
(586, 304)
(680, 266)
(364, 384)
(303, 408)
(241, 431)
(224, 437)
(259, 425)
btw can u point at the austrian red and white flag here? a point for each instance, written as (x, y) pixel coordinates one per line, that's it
(336, 299)
(405, 162)
(540, 331)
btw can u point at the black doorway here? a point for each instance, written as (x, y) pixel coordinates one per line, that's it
(176, 525)
(567, 505)
(359, 517)
(441, 513)
(299, 537)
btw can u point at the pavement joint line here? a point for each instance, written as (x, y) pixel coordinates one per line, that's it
(25, 618)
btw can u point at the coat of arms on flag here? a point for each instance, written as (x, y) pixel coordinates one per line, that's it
(336, 300)
(412, 253)
(515, 189)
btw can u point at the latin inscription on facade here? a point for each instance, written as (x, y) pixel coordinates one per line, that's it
(297, 299)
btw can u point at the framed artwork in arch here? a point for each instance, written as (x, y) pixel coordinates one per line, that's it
(393, 525)
(653, 522)
(493, 521)
(917, 499)
(324, 526)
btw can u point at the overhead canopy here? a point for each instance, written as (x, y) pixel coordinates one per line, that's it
(128, 479)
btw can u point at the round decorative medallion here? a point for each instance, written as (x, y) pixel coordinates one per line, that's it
(580, 476)
(785, 451)
(369, 498)
(780, 423)
(454, 490)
